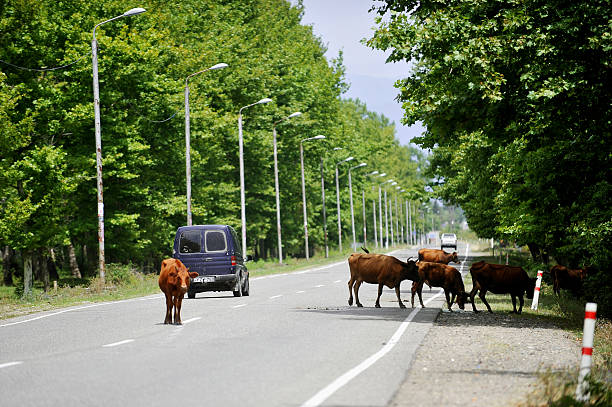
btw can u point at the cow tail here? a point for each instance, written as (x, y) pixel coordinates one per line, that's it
(365, 250)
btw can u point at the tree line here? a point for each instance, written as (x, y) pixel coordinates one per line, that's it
(516, 97)
(48, 206)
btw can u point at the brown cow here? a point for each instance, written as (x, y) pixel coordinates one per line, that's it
(500, 279)
(174, 282)
(379, 269)
(440, 275)
(569, 279)
(438, 256)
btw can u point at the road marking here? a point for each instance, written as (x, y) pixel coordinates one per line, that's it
(110, 345)
(79, 308)
(338, 281)
(276, 296)
(334, 386)
(191, 320)
(3, 365)
(320, 285)
(300, 292)
(239, 305)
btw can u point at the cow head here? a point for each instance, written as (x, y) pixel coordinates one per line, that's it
(455, 258)
(180, 276)
(462, 298)
(530, 287)
(410, 270)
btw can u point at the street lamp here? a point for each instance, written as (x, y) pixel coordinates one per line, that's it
(394, 183)
(363, 207)
(323, 204)
(351, 200)
(98, 135)
(398, 218)
(319, 137)
(278, 221)
(338, 202)
(386, 242)
(188, 137)
(240, 148)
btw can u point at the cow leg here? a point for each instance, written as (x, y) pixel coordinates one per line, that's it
(448, 300)
(175, 301)
(397, 292)
(472, 295)
(420, 293)
(513, 303)
(453, 298)
(168, 319)
(380, 288)
(482, 297)
(177, 316)
(521, 303)
(350, 287)
(356, 289)
(413, 291)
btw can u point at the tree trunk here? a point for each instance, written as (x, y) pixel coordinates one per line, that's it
(44, 270)
(7, 266)
(74, 266)
(27, 274)
(534, 249)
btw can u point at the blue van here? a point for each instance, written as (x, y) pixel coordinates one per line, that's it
(214, 252)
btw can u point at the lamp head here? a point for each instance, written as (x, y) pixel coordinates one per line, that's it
(383, 174)
(373, 173)
(264, 100)
(134, 11)
(218, 66)
(337, 148)
(294, 115)
(319, 137)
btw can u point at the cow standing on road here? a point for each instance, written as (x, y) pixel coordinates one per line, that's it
(379, 269)
(440, 275)
(438, 256)
(174, 283)
(500, 279)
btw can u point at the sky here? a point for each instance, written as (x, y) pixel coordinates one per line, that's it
(342, 24)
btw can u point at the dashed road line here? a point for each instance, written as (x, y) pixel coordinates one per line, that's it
(320, 285)
(276, 296)
(3, 365)
(239, 306)
(111, 345)
(300, 292)
(191, 320)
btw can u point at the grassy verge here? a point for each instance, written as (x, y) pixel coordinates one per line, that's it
(566, 312)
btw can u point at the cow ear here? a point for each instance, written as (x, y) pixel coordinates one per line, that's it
(193, 274)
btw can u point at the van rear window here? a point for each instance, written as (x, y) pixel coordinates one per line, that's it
(215, 241)
(189, 242)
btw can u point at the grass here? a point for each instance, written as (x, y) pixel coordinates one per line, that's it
(566, 312)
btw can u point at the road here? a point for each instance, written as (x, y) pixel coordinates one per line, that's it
(293, 342)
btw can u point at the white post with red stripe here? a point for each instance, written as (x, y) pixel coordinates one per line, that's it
(536, 291)
(590, 314)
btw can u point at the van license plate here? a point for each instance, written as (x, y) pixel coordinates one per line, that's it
(202, 279)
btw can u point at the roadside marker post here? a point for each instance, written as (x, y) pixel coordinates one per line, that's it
(590, 315)
(536, 291)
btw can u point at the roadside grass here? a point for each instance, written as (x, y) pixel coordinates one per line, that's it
(567, 312)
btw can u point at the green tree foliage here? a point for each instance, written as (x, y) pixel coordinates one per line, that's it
(47, 160)
(516, 99)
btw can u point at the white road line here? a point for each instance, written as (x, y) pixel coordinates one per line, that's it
(334, 386)
(338, 281)
(276, 296)
(320, 285)
(3, 365)
(300, 292)
(110, 345)
(239, 305)
(191, 320)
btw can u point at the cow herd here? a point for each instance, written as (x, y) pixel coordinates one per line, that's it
(430, 268)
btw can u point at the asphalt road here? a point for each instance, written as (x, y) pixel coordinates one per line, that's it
(293, 342)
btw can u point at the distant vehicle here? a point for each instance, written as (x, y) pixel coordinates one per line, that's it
(214, 252)
(448, 240)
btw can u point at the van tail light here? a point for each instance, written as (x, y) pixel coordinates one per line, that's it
(233, 260)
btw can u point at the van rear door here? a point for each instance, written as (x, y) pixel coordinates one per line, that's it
(189, 244)
(217, 257)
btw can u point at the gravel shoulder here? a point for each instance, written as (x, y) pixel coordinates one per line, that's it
(484, 359)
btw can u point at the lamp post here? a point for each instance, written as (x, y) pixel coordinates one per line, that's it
(380, 210)
(364, 210)
(278, 221)
(98, 135)
(323, 205)
(398, 219)
(394, 183)
(241, 159)
(188, 138)
(319, 137)
(351, 200)
(338, 202)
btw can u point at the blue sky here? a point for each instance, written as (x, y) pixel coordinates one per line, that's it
(342, 24)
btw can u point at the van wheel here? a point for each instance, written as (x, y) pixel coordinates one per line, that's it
(245, 290)
(238, 293)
